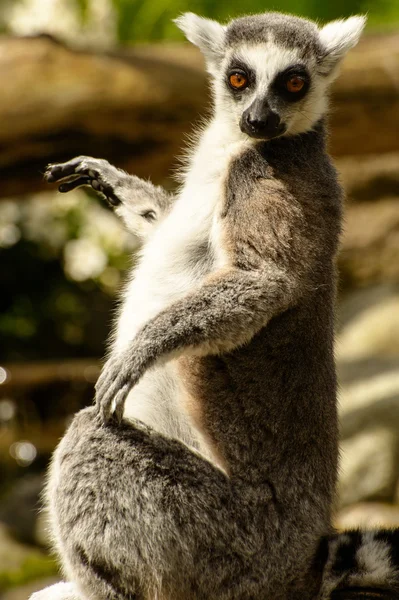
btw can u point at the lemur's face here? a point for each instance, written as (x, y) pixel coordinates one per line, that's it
(268, 90)
(271, 72)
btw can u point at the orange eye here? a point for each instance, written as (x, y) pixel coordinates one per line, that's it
(238, 81)
(295, 84)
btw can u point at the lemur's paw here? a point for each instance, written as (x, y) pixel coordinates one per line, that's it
(115, 382)
(80, 171)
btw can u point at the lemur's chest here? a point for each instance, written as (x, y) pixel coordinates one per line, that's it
(188, 245)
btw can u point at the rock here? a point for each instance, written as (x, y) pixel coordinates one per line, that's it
(369, 177)
(368, 466)
(372, 324)
(370, 244)
(133, 105)
(368, 515)
(368, 368)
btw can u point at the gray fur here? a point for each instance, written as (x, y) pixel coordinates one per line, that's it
(286, 30)
(138, 515)
(139, 203)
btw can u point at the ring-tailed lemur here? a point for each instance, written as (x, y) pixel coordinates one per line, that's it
(220, 481)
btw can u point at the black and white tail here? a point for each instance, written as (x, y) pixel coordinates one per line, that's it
(361, 565)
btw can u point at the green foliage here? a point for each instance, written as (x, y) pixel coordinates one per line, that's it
(33, 567)
(67, 254)
(149, 20)
(83, 7)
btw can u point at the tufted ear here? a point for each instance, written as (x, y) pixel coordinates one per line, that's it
(337, 38)
(208, 35)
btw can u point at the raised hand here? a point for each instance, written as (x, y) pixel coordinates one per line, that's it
(139, 203)
(85, 170)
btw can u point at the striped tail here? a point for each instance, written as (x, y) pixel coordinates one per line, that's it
(361, 565)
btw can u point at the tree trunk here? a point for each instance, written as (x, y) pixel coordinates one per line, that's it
(134, 106)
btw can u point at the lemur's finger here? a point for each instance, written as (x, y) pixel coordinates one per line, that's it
(105, 412)
(109, 385)
(110, 196)
(55, 172)
(106, 405)
(118, 404)
(67, 186)
(99, 185)
(111, 395)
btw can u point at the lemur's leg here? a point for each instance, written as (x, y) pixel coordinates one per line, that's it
(139, 203)
(356, 565)
(361, 565)
(139, 516)
(222, 314)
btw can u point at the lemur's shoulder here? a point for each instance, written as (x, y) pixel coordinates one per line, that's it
(283, 201)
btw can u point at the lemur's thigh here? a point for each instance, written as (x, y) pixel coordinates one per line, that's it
(141, 516)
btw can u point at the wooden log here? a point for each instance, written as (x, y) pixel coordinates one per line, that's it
(15, 376)
(134, 106)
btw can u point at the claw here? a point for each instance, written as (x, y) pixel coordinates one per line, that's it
(119, 402)
(57, 171)
(112, 387)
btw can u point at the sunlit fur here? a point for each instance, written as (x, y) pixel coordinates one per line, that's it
(237, 248)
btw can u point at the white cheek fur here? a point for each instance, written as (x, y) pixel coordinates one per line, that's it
(266, 60)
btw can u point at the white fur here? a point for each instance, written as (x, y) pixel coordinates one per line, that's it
(58, 591)
(338, 37)
(267, 60)
(165, 274)
(208, 35)
(374, 562)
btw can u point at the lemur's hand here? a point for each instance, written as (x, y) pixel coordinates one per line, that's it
(119, 375)
(84, 170)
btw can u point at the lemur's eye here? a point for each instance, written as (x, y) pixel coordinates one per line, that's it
(238, 80)
(295, 84)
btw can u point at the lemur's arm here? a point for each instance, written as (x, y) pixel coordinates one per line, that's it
(139, 203)
(222, 314)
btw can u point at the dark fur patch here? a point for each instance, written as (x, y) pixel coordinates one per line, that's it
(346, 554)
(321, 556)
(288, 31)
(357, 593)
(103, 572)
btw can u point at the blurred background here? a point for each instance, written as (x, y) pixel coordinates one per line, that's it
(113, 79)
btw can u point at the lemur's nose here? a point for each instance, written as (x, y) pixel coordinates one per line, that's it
(260, 121)
(269, 121)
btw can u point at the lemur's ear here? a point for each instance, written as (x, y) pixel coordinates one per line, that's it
(206, 34)
(337, 38)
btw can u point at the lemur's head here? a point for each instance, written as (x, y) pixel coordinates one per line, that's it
(271, 72)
